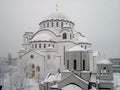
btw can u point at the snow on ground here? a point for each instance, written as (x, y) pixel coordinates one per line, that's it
(31, 84)
(116, 81)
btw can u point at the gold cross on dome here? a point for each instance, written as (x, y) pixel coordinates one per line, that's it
(56, 7)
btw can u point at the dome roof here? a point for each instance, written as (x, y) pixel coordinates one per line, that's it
(104, 62)
(42, 37)
(57, 15)
(76, 48)
(83, 39)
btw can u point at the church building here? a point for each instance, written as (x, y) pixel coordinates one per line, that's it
(62, 57)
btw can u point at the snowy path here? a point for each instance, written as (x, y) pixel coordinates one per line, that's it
(31, 84)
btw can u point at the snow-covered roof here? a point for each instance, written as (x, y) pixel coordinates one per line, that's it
(57, 15)
(104, 61)
(51, 77)
(66, 71)
(22, 49)
(76, 48)
(42, 37)
(82, 39)
(71, 87)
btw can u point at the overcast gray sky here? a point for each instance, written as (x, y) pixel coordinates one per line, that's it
(98, 20)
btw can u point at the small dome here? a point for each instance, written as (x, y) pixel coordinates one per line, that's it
(57, 15)
(42, 37)
(104, 62)
(82, 40)
(76, 48)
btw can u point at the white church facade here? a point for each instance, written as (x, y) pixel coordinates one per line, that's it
(56, 48)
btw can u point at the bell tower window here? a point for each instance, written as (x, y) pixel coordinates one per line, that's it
(83, 64)
(75, 64)
(64, 36)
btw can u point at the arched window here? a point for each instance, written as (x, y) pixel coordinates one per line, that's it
(35, 45)
(61, 24)
(81, 46)
(75, 64)
(64, 36)
(47, 24)
(85, 47)
(39, 45)
(67, 64)
(33, 66)
(44, 45)
(38, 68)
(44, 25)
(83, 64)
(52, 24)
(48, 45)
(56, 24)
(70, 36)
(31, 56)
(104, 70)
(53, 45)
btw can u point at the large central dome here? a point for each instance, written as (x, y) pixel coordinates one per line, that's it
(57, 15)
(56, 19)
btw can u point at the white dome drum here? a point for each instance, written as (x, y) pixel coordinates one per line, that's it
(56, 20)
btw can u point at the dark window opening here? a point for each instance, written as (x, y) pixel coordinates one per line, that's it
(81, 46)
(64, 36)
(70, 36)
(67, 64)
(35, 45)
(44, 25)
(53, 45)
(31, 56)
(44, 45)
(48, 45)
(75, 65)
(56, 24)
(48, 24)
(39, 45)
(52, 24)
(104, 67)
(83, 64)
(38, 69)
(33, 66)
(61, 24)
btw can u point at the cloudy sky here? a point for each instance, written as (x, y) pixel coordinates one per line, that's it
(98, 20)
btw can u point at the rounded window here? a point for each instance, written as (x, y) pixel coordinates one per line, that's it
(31, 56)
(64, 36)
